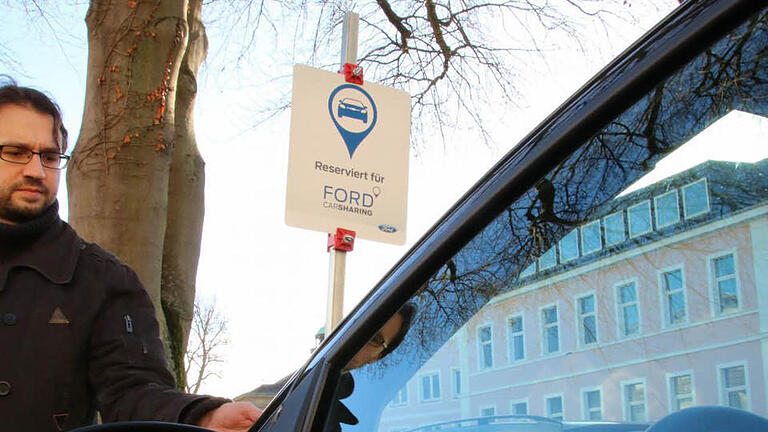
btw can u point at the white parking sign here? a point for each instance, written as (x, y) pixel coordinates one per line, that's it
(348, 156)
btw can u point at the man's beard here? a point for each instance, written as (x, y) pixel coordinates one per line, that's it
(20, 214)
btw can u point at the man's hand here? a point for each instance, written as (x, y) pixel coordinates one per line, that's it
(231, 417)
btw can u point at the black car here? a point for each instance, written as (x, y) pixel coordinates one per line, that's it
(609, 273)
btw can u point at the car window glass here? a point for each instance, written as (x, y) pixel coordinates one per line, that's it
(629, 283)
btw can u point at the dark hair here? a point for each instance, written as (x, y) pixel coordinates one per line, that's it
(406, 312)
(11, 93)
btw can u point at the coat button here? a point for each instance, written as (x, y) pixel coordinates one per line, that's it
(9, 319)
(5, 388)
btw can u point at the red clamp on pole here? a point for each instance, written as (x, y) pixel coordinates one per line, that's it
(353, 73)
(343, 240)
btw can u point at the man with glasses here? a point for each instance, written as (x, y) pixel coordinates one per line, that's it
(380, 345)
(78, 332)
(384, 341)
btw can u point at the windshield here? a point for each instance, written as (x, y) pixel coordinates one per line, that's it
(630, 283)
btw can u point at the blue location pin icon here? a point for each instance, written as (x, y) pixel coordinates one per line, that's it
(354, 114)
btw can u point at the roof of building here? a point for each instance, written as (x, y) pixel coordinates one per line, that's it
(267, 389)
(732, 188)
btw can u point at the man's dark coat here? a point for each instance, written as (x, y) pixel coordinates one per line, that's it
(78, 334)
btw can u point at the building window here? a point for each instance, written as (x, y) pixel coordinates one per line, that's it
(485, 347)
(587, 319)
(488, 411)
(726, 292)
(550, 332)
(614, 229)
(695, 199)
(733, 382)
(429, 387)
(455, 382)
(555, 407)
(569, 246)
(640, 219)
(634, 401)
(518, 408)
(629, 313)
(681, 392)
(401, 397)
(667, 209)
(516, 338)
(548, 259)
(592, 405)
(591, 241)
(674, 297)
(531, 269)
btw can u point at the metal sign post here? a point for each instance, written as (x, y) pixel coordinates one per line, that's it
(337, 266)
(349, 39)
(343, 241)
(338, 246)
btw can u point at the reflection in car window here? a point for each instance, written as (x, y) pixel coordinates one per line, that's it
(618, 288)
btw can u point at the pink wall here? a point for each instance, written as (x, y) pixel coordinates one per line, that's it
(699, 345)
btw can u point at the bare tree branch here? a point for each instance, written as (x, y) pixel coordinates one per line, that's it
(396, 21)
(206, 340)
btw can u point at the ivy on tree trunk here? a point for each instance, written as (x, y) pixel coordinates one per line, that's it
(136, 180)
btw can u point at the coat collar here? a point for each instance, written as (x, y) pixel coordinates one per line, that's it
(54, 255)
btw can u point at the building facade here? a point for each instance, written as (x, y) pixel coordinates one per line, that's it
(659, 304)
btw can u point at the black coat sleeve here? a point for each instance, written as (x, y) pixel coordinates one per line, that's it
(127, 366)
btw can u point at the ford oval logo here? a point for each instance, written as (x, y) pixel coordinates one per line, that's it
(387, 228)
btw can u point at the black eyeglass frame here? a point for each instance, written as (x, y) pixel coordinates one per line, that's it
(64, 159)
(378, 341)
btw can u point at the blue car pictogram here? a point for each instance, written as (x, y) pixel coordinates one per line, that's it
(352, 108)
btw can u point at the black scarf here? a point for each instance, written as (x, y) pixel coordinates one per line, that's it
(14, 236)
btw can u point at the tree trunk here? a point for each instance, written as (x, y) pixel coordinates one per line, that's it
(184, 226)
(118, 182)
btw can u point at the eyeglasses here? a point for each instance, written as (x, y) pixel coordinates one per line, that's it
(21, 155)
(377, 341)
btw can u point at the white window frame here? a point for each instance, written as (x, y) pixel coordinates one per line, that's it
(511, 337)
(656, 207)
(514, 402)
(723, 400)
(584, 251)
(544, 328)
(625, 230)
(624, 402)
(547, 397)
(713, 287)
(530, 270)
(665, 318)
(629, 219)
(480, 363)
(672, 397)
(456, 392)
(485, 407)
(585, 408)
(620, 309)
(400, 401)
(553, 249)
(685, 189)
(577, 243)
(434, 373)
(579, 317)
